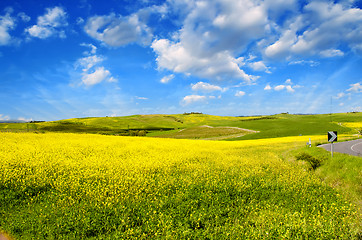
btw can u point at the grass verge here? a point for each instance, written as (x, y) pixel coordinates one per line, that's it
(342, 172)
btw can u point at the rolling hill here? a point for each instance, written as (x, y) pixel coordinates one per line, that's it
(164, 125)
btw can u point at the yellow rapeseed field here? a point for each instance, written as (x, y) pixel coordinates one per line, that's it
(357, 125)
(76, 186)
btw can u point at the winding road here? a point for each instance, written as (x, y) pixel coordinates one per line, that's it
(351, 147)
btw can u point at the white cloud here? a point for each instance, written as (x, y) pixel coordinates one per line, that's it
(89, 62)
(281, 48)
(340, 95)
(25, 119)
(279, 87)
(100, 74)
(40, 31)
(259, 66)
(177, 58)
(268, 87)
(93, 48)
(24, 17)
(4, 117)
(288, 86)
(239, 93)
(7, 23)
(80, 21)
(92, 70)
(356, 87)
(289, 89)
(118, 31)
(167, 79)
(357, 109)
(55, 17)
(192, 99)
(206, 87)
(50, 24)
(303, 62)
(141, 98)
(212, 37)
(331, 53)
(318, 30)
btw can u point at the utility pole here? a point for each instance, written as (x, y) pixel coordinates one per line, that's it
(331, 110)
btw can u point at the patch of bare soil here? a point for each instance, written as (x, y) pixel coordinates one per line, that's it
(246, 131)
(4, 236)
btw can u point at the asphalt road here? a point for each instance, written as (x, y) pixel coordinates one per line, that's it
(351, 147)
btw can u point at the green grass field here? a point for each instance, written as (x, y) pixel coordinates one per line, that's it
(206, 132)
(281, 125)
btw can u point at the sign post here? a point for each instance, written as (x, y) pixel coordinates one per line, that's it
(332, 136)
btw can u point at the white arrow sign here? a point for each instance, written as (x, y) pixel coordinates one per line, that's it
(332, 136)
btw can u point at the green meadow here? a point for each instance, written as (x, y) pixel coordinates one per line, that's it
(280, 125)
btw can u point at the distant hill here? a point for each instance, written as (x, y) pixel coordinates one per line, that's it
(271, 126)
(12, 121)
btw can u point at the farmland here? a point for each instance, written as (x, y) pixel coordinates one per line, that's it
(280, 125)
(59, 185)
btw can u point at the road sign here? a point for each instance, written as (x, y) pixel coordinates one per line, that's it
(332, 136)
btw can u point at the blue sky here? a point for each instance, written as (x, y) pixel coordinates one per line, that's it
(65, 59)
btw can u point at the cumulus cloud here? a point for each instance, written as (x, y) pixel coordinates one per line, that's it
(50, 24)
(167, 79)
(288, 86)
(118, 31)
(192, 99)
(281, 48)
(89, 62)
(340, 95)
(25, 119)
(24, 17)
(259, 66)
(268, 87)
(331, 53)
(100, 74)
(279, 87)
(7, 23)
(290, 89)
(318, 30)
(4, 117)
(92, 70)
(239, 93)
(91, 46)
(205, 87)
(356, 87)
(213, 35)
(177, 58)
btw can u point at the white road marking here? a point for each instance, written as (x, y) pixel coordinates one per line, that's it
(354, 146)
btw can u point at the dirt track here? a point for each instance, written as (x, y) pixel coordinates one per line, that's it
(230, 136)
